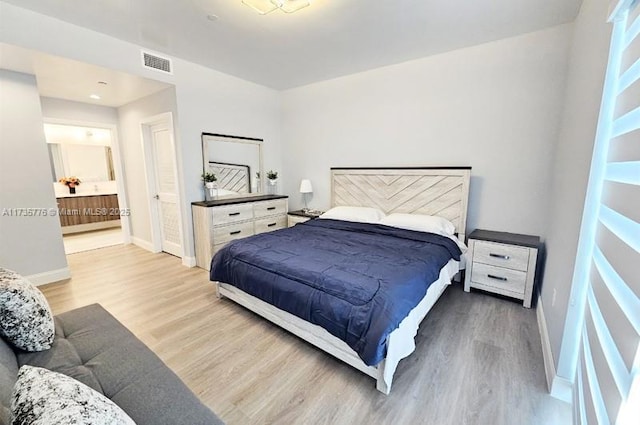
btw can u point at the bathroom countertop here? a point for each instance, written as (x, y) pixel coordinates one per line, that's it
(85, 194)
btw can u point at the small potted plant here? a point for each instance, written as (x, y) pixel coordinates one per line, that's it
(209, 180)
(71, 182)
(272, 177)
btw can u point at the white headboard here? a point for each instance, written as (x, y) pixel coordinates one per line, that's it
(434, 191)
(233, 177)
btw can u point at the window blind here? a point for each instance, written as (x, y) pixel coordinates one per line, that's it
(607, 381)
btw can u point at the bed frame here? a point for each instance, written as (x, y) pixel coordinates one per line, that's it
(434, 191)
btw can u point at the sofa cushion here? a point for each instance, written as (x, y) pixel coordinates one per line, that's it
(43, 397)
(94, 348)
(25, 317)
(8, 376)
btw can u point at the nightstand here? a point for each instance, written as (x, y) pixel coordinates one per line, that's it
(300, 216)
(503, 263)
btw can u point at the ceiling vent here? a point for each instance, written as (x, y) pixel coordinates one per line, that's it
(153, 61)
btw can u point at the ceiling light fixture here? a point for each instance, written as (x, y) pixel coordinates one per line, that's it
(95, 97)
(267, 6)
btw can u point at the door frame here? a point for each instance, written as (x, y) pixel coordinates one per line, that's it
(118, 168)
(150, 178)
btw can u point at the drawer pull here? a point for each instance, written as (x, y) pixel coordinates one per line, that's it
(271, 208)
(504, 279)
(237, 232)
(271, 224)
(233, 214)
(504, 257)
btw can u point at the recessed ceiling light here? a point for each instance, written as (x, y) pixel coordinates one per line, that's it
(212, 17)
(95, 97)
(104, 83)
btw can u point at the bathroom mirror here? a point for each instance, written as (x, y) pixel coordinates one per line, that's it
(236, 163)
(84, 152)
(87, 162)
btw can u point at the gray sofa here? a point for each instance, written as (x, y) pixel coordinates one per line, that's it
(94, 348)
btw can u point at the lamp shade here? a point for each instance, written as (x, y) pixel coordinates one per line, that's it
(305, 186)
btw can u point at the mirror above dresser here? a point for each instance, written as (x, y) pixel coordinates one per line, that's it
(236, 162)
(239, 208)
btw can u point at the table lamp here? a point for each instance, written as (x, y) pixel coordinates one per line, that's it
(305, 187)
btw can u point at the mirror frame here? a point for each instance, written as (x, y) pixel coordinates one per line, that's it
(239, 139)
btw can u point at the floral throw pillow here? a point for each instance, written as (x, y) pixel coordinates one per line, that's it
(43, 397)
(25, 317)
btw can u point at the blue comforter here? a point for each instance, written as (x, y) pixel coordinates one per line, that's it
(356, 280)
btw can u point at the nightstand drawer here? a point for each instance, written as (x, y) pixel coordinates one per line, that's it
(271, 223)
(232, 214)
(497, 254)
(224, 234)
(264, 209)
(499, 277)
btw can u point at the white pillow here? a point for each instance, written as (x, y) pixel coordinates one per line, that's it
(43, 397)
(420, 222)
(359, 214)
(25, 317)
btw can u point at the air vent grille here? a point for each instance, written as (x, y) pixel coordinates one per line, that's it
(156, 62)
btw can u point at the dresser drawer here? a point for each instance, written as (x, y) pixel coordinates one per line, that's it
(270, 223)
(232, 214)
(264, 209)
(499, 277)
(224, 234)
(501, 255)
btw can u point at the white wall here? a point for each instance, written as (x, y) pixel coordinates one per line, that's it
(495, 107)
(77, 111)
(31, 245)
(207, 100)
(587, 66)
(131, 115)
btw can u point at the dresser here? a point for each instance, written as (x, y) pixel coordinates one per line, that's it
(216, 223)
(503, 263)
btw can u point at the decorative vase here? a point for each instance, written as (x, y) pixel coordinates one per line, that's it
(272, 187)
(210, 191)
(258, 184)
(72, 190)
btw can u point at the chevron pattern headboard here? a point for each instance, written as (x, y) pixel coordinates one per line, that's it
(434, 191)
(232, 176)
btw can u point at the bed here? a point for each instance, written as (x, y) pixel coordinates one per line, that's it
(355, 306)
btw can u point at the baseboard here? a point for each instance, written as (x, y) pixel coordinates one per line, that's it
(143, 244)
(50, 276)
(189, 261)
(557, 386)
(547, 355)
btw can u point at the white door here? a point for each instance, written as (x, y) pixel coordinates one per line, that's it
(166, 188)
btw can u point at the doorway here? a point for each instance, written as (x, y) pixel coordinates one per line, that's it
(161, 169)
(91, 207)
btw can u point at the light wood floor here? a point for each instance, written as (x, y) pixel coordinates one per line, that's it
(86, 241)
(478, 360)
